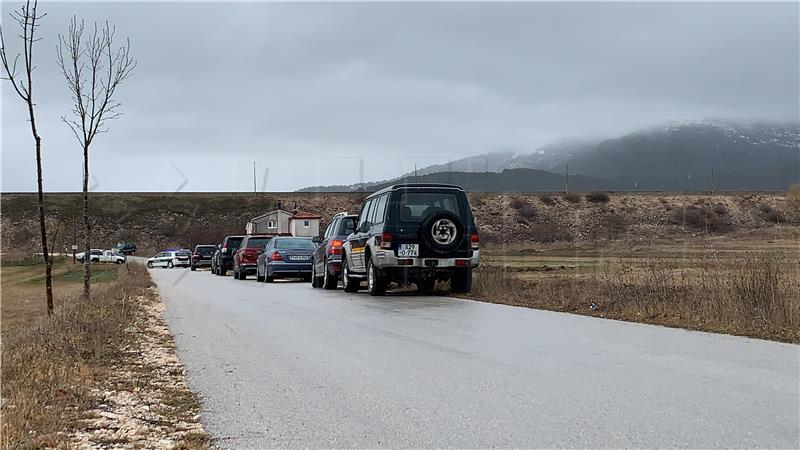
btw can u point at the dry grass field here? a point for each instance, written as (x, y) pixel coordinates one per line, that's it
(22, 287)
(60, 372)
(746, 285)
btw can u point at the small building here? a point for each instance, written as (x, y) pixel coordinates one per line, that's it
(279, 221)
(304, 224)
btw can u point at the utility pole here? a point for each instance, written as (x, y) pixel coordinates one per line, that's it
(416, 178)
(566, 180)
(254, 178)
(450, 172)
(712, 179)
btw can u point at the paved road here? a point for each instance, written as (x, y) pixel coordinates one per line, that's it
(286, 366)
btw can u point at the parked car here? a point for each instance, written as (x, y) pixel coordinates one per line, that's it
(246, 257)
(412, 233)
(326, 264)
(222, 261)
(104, 256)
(201, 256)
(286, 257)
(126, 248)
(170, 259)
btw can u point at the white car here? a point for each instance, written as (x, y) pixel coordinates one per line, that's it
(171, 258)
(104, 256)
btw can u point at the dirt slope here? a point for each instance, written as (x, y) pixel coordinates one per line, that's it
(159, 220)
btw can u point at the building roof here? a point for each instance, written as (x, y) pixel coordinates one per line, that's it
(305, 215)
(270, 213)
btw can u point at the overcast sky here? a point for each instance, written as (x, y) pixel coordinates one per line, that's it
(307, 91)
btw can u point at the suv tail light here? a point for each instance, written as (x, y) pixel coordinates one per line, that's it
(335, 247)
(474, 241)
(275, 256)
(386, 240)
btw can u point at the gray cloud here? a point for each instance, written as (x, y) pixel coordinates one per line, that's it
(311, 89)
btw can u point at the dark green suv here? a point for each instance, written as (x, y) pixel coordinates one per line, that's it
(412, 234)
(126, 248)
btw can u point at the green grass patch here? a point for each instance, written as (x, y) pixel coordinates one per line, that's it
(72, 275)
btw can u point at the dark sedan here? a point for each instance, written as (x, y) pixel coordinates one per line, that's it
(286, 257)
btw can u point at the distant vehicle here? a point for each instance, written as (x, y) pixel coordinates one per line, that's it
(201, 256)
(412, 233)
(170, 259)
(327, 260)
(286, 257)
(103, 256)
(222, 261)
(246, 257)
(126, 248)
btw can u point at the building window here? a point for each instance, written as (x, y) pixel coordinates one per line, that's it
(306, 223)
(272, 224)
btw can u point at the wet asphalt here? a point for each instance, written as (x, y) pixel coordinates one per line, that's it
(285, 365)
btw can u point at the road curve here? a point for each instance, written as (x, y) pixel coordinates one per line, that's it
(284, 365)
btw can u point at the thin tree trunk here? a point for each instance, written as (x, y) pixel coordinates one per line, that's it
(48, 260)
(87, 263)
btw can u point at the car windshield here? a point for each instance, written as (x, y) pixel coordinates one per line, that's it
(415, 206)
(258, 242)
(295, 244)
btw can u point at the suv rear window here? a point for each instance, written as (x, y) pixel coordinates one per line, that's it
(258, 242)
(234, 242)
(415, 206)
(348, 225)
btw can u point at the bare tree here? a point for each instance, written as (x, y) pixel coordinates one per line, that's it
(93, 68)
(27, 18)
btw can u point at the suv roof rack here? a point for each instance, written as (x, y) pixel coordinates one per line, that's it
(339, 214)
(417, 185)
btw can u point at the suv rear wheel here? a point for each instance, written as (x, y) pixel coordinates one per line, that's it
(314, 278)
(461, 281)
(376, 280)
(329, 281)
(350, 284)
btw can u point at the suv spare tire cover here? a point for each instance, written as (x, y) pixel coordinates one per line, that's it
(442, 232)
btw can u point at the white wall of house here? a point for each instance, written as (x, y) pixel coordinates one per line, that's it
(275, 222)
(304, 227)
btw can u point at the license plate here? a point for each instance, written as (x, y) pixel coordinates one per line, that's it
(408, 250)
(298, 258)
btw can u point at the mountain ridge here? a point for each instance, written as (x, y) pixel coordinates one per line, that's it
(685, 156)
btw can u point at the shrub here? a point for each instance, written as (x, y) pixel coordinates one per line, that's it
(519, 203)
(720, 209)
(615, 224)
(572, 198)
(527, 211)
(597, 197)
(548, 232)
(793, 201)
(718, 224)
(701, 218)
(771, 214)
(547, 199)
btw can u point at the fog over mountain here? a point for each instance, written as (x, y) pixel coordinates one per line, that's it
(682, 156)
